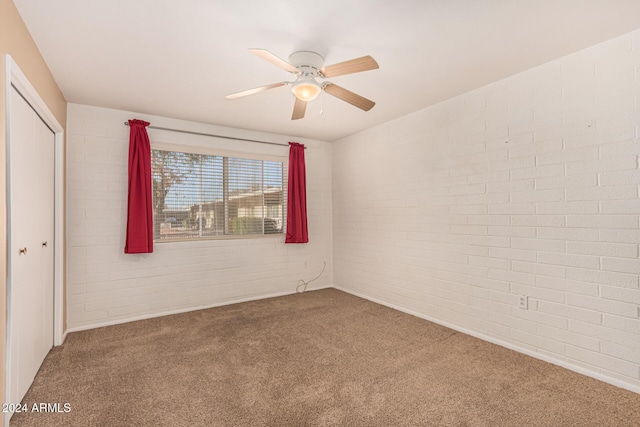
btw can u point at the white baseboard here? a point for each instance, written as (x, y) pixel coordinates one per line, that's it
(563, 363)
(64, 336)
(181, 310)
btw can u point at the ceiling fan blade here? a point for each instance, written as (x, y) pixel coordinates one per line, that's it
(350, 97)
(357, 65)
(255, 90)
(299, 108)
(277, 61)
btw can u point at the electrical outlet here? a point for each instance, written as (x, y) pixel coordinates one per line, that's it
(523, 302)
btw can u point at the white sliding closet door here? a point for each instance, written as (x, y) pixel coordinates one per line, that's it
(31, 234)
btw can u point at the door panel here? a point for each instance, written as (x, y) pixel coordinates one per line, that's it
(44, 225)
(31, 174)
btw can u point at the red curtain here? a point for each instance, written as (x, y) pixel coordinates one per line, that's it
(140, 206)
(297, 196)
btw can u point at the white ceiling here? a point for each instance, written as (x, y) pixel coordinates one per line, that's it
(180, 58)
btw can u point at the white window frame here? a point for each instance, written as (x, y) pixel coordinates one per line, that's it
(225, 154)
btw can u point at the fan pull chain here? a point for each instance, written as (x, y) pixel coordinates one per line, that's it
(321, 98)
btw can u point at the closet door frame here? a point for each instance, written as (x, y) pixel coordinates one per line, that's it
(16, 78)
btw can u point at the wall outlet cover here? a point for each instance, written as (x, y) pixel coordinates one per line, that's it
(523, 302)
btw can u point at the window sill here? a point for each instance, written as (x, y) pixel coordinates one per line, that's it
(226, 237)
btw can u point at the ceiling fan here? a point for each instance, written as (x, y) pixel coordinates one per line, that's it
(308, 68)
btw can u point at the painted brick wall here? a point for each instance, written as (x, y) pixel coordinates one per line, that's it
(106, 286)
(528, 186)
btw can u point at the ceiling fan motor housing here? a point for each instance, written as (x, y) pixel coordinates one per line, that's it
(307, 62)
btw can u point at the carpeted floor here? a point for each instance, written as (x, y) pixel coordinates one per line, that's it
(322, 358)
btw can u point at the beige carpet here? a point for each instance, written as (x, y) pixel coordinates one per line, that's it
(322, 358)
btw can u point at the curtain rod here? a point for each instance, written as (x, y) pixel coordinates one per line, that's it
(213, 135)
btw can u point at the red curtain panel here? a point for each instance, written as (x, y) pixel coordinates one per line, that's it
(297, 196)
(140, 207)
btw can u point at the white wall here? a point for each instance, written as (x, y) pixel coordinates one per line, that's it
(106, 286)
(528, 186)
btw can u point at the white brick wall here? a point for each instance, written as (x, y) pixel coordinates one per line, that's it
(528, 186)
(106, 286)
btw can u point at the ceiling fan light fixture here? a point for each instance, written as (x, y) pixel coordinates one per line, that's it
(306, 90)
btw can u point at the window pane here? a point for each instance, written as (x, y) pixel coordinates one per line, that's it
(208, 215)
(273, 197)
(173, 192)
(245, 196)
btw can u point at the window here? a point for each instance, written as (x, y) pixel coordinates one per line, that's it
(206, 196)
